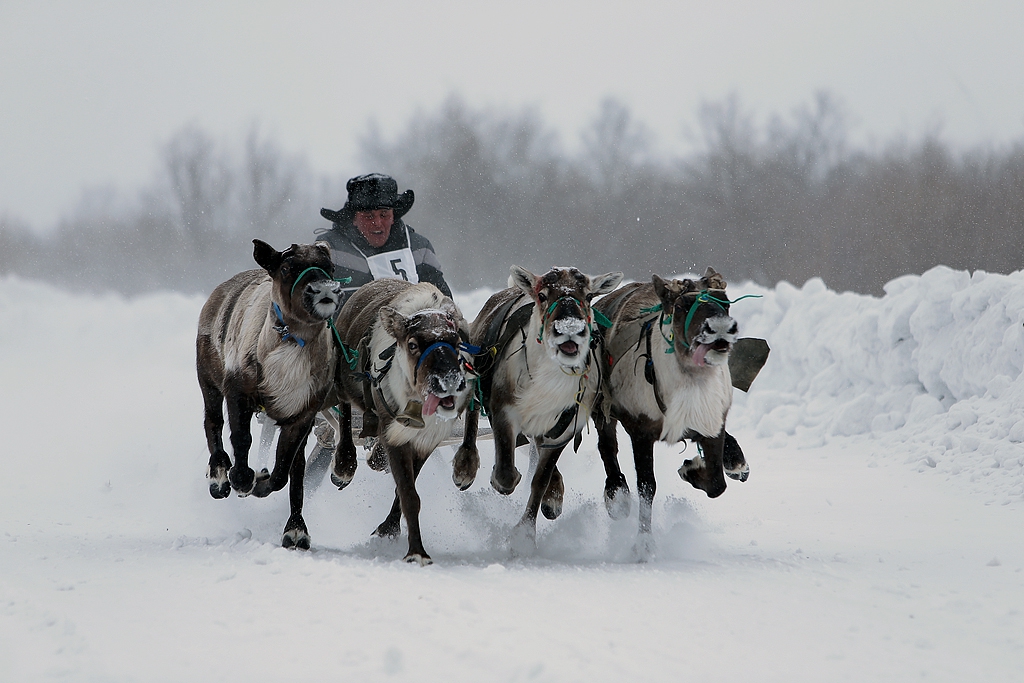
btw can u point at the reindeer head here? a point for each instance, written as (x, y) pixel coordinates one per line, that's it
(703, 331)
(562, 298)
(303, 285)
(427, 347)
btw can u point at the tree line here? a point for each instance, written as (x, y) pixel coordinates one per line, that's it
(787, 199)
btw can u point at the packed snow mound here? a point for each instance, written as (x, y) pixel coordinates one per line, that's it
(934, 365)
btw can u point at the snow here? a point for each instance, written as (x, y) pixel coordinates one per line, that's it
(878, 537)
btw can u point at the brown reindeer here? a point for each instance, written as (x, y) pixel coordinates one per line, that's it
(539, 379)
(411, 374)
(667, 364)
(264, 345)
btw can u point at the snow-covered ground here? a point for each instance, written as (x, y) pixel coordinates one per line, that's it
(879, 536)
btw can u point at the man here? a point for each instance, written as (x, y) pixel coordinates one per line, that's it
(369, 240)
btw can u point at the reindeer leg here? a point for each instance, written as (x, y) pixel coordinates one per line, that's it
(646, 486)
(343, 469)
(291, 444)
(616, 491)
(524, 535)
(467, 458)
(504, 477)
(403, 461)
(213, 422)
(392, 525)
(296, 535)
(735, 464)
(705, 472)
(551, 503)
(240, 410)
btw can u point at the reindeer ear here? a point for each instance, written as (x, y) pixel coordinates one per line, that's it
(324, 247)
(522, 278)
(660, 285)
(602, 284)
(393, 322)
(713, 279)
(449, 308)
(265, 255)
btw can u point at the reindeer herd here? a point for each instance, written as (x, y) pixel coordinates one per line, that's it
(542, 358)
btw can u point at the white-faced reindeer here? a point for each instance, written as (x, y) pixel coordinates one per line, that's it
(412, 376)
(264, 345)
(538, 378)
(667, 363)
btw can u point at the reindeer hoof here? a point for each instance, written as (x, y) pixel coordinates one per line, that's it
(422, 559)
(263, 487)
(464, 467)
(617, 501)
(343, 467)
(739, 475)
(242, 481)
(378, 458)
(695, 473)
(505, 488)
(732, 459)
(644, 549)
(551, 503)
(295, 533)
(220, 487)
(388, 529)
(523, 541)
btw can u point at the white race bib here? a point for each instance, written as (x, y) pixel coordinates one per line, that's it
(398, 264)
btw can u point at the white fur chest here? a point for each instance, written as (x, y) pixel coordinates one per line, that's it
(545, 391)
(700, 401)
(697, 399)
(288, 379)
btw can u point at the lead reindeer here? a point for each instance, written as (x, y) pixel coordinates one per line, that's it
(667, 363)
(413, 377)
(264, 344)
(539, 379)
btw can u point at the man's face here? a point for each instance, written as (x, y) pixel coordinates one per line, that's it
(375, 225)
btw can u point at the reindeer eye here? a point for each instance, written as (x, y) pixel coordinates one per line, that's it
(413, 346)
(542, 297)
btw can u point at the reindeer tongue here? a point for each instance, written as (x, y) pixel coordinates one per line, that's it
(430, 405)
(699, 353)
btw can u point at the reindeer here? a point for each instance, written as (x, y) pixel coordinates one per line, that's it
(538, 379)
(680, 333)
(264, 345)
(411, 375)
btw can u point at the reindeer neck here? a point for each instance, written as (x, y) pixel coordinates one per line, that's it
(292, 330)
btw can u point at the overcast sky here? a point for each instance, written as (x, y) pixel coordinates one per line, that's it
(90, 91)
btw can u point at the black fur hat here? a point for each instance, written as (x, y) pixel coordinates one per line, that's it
(368, 192)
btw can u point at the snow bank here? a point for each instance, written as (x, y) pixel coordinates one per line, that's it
(934, 365)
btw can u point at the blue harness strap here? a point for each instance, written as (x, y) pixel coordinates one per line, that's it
(282, 329)
(430, 349)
